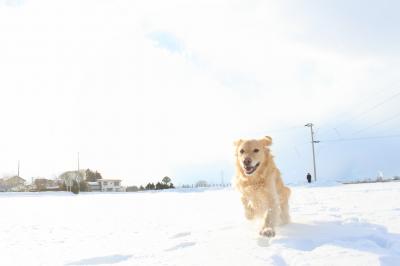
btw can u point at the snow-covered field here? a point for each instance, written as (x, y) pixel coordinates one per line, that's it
(332, 225)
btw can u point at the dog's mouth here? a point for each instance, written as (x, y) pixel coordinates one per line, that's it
(248, 169)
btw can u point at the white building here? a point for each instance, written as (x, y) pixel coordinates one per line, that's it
(94, 186)
(110, 185)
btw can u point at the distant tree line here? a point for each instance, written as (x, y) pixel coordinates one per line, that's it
(164, 184)
(92, 176)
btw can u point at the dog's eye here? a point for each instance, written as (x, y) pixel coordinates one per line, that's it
(256, 150)
(241, 151)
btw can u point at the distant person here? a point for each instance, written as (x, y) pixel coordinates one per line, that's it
(309, 178)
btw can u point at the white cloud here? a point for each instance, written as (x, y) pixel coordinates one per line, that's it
(90, 76)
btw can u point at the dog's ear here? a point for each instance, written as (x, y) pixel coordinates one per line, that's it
(237, 142)
(267, 140)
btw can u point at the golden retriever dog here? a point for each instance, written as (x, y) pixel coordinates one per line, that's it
(259, 181)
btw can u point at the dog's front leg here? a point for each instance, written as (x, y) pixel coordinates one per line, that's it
(270, 218)
(248, 209)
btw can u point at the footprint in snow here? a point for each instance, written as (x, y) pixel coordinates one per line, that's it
(179, 235)
(181, 245)
(102, 260)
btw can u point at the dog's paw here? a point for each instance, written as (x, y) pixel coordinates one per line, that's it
(267, 232)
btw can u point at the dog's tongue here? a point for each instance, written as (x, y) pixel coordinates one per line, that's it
(249, 168)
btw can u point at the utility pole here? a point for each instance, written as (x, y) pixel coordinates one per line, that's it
(310, 125)
(18, 168)
(78, 177)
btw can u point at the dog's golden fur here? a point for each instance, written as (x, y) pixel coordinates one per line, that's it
(259, 181)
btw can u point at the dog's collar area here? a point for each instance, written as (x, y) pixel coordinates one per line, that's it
(246, 182)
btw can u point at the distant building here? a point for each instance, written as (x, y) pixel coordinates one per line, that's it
(94, 186)
(110, 185)
(14, 183)
(44, 184)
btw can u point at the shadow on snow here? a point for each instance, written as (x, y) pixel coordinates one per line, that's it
(352, 235)
(102, 260)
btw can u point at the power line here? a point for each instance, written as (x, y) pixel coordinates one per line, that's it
(388, 99)
(373, 107)
(377, 123)
(362, 138)
(365, 99)
(357, 104)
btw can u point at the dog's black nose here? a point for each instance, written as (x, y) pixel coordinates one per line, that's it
(247, 161)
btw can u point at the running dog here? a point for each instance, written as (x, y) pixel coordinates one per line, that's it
(259, 181)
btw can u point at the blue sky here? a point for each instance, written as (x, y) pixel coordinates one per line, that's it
(166, 40)
(144, 90)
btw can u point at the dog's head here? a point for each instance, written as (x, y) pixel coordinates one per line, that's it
(251, 154)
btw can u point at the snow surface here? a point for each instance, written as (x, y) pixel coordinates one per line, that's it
(332, 225)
